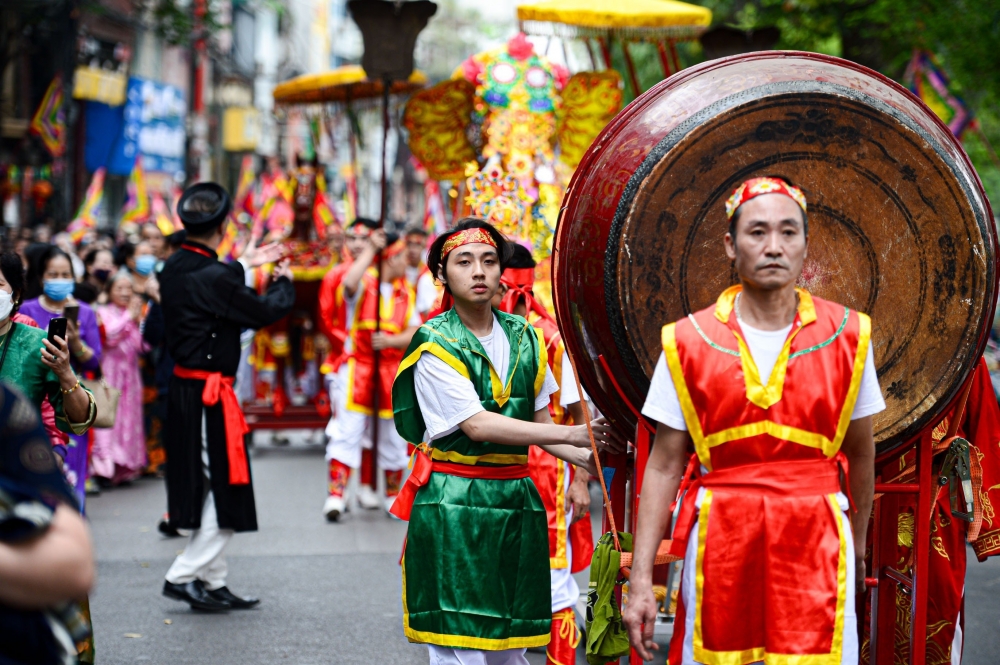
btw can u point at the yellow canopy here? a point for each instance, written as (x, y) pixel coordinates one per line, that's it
(343, 84)
(636, 19)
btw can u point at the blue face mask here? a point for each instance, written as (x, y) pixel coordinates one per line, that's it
(145, 264)
(58, 289)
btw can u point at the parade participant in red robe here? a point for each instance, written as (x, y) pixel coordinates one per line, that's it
(980, 426)
(563, 489)
(774, 389)
(334, 324)
(365, 382)
(417, 273)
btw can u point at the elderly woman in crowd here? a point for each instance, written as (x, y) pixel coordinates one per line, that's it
(119, 453)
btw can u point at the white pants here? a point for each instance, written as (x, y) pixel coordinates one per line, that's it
(449, 656)
(202, 558)
(348, 432)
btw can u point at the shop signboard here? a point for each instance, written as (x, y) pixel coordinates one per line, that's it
(150, 123)
(154, 125)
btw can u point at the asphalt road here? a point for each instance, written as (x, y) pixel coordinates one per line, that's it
(331, 592)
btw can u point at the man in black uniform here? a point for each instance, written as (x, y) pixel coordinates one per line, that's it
(205, 304)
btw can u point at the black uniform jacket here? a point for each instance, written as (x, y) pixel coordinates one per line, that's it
(205, 305)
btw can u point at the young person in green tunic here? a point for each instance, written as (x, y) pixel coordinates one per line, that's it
(474, 385)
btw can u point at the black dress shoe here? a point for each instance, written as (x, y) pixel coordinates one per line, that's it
(167, 529)
(224, 595)
(196, 595)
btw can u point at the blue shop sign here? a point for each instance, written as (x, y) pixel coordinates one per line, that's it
(150, 123)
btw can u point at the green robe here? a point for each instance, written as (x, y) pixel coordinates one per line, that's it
(23, 369)
(476, 560)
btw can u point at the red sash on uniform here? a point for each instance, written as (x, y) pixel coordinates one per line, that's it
(221, 387)
(423, 466)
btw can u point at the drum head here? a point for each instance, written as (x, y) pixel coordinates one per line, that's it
(898, 229)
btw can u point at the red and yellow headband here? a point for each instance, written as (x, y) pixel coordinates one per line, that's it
(755, 187)
(467, 237)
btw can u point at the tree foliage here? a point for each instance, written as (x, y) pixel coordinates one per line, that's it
(882, 35)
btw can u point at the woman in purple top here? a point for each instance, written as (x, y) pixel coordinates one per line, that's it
(55, 271)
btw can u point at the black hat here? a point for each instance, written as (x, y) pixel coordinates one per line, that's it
(28, 467)
(369, 224)
(203, 207)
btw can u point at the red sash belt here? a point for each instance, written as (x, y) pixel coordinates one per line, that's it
(799, 478)
(221, 387)
(423, 466)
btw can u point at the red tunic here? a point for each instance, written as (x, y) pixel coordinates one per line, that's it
(549, 472)
(333, 315)
(772, 549)
(395, 316)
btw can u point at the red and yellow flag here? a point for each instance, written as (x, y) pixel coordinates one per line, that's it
(137, 205)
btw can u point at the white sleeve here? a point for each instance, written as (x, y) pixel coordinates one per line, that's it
(568, 394)
(426, 293)
(446, 398)
(415, 320)
(662, 404)
(549, 386)
(870, 399)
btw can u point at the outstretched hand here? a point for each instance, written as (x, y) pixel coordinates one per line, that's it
(258, 256)
(604, 436)
(284, 269)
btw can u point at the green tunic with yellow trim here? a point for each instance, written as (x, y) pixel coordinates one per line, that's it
(476, 560)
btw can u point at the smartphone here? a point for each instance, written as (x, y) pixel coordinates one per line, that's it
(72, 312)
(57, 328)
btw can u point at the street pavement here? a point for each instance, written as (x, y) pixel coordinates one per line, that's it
(330, 592)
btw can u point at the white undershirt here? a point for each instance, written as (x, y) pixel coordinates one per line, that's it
(423, 283)
(765, 346)
(447, 399)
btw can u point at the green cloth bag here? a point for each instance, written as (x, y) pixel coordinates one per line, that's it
(607, 638)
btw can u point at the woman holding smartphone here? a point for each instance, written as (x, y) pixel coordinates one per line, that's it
(55, 272)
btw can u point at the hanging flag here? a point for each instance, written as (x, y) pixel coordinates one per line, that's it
(435, 221)
(49, 122)
(90, 209)
(161, 215)
(350, 194)
(137, 206)
(928, 81)
(244, 186)
(323, 215)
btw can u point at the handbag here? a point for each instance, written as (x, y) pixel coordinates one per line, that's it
(106, 401)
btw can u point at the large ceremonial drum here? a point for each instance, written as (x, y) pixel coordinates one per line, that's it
(899, 226)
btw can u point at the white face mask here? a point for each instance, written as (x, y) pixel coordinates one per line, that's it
(6, 304)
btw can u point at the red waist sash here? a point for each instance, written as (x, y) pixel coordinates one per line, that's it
(423, 466)
(218, 387)
(796, 478)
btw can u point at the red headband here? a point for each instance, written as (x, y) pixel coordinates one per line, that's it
(467, 237)
(519, 282)
(755, 187)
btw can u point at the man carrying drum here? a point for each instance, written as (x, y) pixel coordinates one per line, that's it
(774, 389)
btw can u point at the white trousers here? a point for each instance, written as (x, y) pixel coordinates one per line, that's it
(202, 558)
(349, 432)
(449, 656)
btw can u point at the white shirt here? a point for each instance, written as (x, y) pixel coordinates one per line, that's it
(423, 283)
(447, 399)
(351, 303)
(568, 394)
(663, 406)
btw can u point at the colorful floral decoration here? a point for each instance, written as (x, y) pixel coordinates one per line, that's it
(500, 199)
(524, 121)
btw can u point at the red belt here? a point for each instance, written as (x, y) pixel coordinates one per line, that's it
(799, 478)
(221, 387)
(423, 466)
